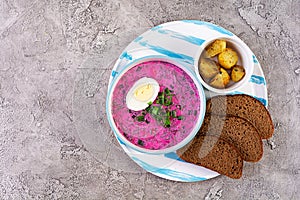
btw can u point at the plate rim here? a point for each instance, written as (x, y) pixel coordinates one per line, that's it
(127, 149)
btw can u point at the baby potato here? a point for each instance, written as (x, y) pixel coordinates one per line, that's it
(215, 48)
(237, 73)
(221, 79)
(208, 68)
(228, 58)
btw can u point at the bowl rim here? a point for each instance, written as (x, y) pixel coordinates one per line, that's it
(242, 49)
(189, 70)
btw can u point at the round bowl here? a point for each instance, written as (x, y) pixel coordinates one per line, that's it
(188, 69)
(245, 59)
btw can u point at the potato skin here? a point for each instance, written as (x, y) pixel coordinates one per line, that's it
(208, 68)
(219, 74)
(237, 73)
(221, 79)
(228, 58)
(218, 46)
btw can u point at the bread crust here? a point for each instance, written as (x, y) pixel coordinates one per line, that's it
(246, 107)
(236, 131)
(215, 154)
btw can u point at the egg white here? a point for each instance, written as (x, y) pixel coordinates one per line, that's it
(135, 104)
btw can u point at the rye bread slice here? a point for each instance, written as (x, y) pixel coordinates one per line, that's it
(215, 154)
(236, 131)
(246, 107)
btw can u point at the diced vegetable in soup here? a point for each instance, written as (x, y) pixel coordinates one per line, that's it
(168, 119)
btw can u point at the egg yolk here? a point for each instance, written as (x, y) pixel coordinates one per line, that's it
(144, 92)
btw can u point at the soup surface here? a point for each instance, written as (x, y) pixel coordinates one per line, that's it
(167, 120)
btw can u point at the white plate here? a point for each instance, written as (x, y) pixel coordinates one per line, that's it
(181, 40)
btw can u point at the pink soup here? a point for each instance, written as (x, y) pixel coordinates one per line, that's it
(150, 133)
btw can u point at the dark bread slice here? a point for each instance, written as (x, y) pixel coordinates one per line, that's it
(246, 107)
(236, 131)
(215, 154)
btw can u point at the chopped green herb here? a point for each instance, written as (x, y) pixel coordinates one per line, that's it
(155, 110)
(168, 101)
(160, 101)
(162, 98)
(161, 113)
(180, 117)
(140, 118)
(148, 109)
(168, 114)
(167, 122)
(167, 91)
(140, 142)
(173, 113)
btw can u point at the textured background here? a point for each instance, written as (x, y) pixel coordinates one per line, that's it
(55, 60)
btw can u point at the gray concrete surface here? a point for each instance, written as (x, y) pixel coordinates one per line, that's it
(55, 57)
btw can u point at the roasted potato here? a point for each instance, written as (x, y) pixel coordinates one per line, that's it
(221, 79)
(228, 58)
(208, 68)
(215, 48)
(237, 73)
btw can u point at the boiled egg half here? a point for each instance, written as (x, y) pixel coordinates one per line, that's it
(143, 92)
